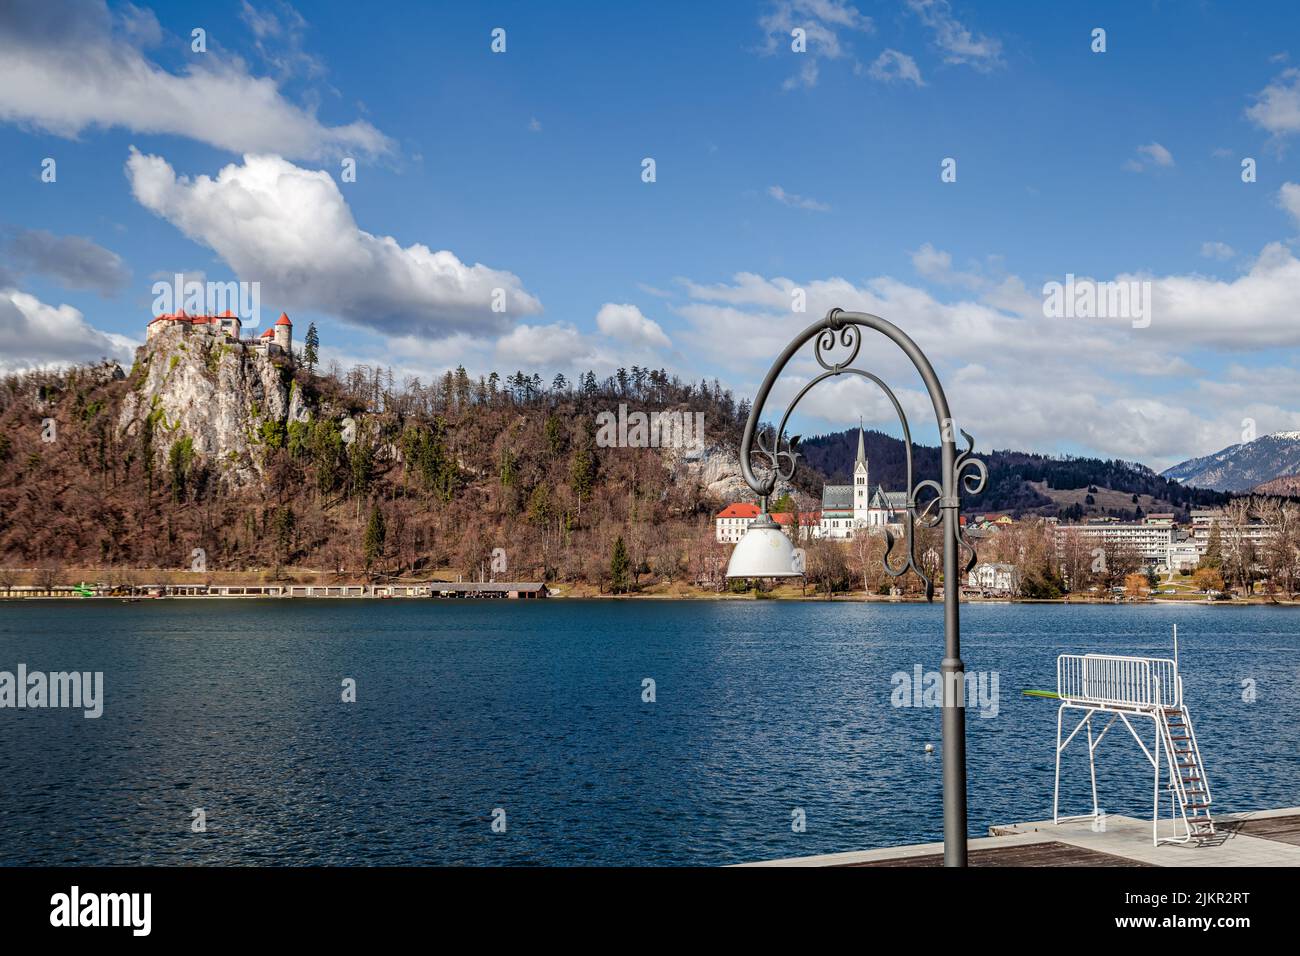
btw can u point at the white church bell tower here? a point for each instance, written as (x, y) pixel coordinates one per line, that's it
(861, 488)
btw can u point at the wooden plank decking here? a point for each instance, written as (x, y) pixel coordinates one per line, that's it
(1028, 854)
(1281, 829)
(1256, 838)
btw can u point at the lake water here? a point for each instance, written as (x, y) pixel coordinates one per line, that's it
(536, 708)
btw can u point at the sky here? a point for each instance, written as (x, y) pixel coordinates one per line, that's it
(934, 162)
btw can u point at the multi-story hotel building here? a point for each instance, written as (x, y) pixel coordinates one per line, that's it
(1203, 522)
(1151, 540)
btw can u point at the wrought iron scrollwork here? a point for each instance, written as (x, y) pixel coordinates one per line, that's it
(845, 336)
(969, 473)
(841, 332)
(775, 456)
(927, 516)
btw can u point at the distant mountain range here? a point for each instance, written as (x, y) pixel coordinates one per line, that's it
(1019, 482)
(1245, 466)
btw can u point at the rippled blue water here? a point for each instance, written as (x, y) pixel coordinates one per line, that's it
(762, 707)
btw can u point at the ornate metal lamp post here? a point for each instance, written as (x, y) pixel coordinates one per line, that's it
(766, 552)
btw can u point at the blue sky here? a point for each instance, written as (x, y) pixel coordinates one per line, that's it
(774, 170)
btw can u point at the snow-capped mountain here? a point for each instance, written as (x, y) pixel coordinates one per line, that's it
(1242, 467)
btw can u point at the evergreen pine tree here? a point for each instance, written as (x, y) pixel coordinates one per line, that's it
(311, 348)
(376, 534)
(618, 567)
(1213, 549)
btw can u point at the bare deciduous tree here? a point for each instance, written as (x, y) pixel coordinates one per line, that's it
(49, 575)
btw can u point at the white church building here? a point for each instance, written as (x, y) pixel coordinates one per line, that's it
(846, 509)
(856, 507)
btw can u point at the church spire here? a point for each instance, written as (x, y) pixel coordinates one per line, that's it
(862, 445)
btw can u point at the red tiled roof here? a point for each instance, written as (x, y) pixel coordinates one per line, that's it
(806, 518)
(192, 319)
(284, 320)
(267, 334)
(741, 509)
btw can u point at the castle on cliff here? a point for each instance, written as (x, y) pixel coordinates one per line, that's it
(275, 341)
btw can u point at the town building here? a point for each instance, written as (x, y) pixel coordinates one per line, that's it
(733, 521)
(809, 522)
(1254, 532)
(994, 578)
(987, 523)
(1150, 541)
(1183, 556)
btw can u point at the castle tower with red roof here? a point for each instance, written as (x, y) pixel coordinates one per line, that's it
(284, 333)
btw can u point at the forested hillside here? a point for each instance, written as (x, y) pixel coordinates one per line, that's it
(207, 457)
(271, 467)
(1010, 476)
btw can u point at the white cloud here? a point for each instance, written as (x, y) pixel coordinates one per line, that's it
(561, 347)
(187, 276)
(1157, 154)
(278, 35)
(1152, 154)
(1288, 197)
(1217, 250)
(627, 324)
(75, 261)
(1277, 106)
(1253, 311)
(33, 334)
(544, 347)
(796, 201)
(986, 278)
(956, 41)
(932, 263)
(70, 65)
(892, 66)
(291, 229)
(936, 265)
(822, 21)
(1015, 378)
(805, 78)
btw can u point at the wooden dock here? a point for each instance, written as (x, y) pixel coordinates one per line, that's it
(1257, 838)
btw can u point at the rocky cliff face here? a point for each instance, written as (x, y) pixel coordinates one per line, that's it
(717, 468)
(197, 384)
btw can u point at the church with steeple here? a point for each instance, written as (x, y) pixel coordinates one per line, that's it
(857, 507)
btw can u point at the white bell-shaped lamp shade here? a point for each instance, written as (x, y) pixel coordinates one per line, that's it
(764, 552)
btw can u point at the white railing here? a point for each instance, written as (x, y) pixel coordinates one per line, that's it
(1122, 681)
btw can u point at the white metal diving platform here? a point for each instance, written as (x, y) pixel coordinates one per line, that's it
(1113, 688)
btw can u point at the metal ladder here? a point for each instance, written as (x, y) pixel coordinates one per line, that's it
(1189, 788)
